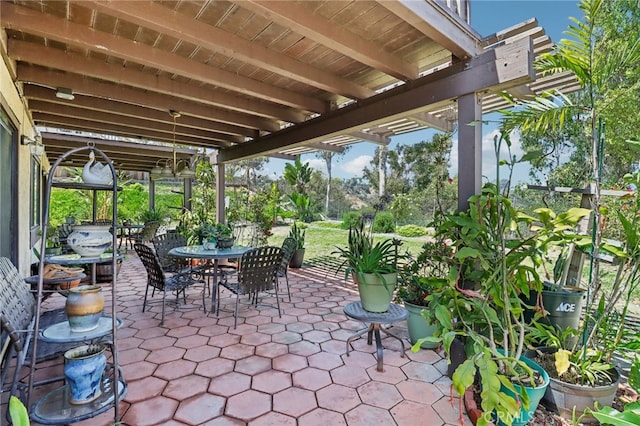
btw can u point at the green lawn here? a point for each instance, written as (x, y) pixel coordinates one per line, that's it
(320, 241)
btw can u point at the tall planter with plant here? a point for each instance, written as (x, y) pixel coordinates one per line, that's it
(373, 266)
(298, 232)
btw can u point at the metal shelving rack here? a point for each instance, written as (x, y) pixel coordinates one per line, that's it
(113, 394)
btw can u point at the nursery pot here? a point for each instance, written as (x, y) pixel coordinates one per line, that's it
(566, 396)
(376, 290)
(83, 369)
(535, 395)
(418, 327)
(296, 259)
(225, 243)
(84, 307)
(564, 305)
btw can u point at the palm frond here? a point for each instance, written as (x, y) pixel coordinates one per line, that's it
(539, 114)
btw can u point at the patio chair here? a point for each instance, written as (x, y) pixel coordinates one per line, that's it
(163, 244)
(289, 246)
(146, 234)
(257, 272)
(158, 280)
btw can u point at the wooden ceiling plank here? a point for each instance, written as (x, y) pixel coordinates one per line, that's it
(33, 22)
(335, 37)
(32, 91)
(182, 27)
(72, 62)
(371, 137)
(137, 97)
(495, 70)
(57, 139)
(325, 147)
(439, 24)
(432, 121)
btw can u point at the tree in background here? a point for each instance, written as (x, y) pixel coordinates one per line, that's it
(328, 157)
(298, 175)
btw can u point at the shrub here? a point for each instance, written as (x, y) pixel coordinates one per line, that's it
(350, 219)
(384, 222)
(326, 224)
(412, 231)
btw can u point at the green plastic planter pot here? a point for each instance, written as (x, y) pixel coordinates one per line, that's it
(376, 290)
(418, 327)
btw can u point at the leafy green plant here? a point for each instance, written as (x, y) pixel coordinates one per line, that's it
(18, 412)
(152, 215)
(411, 231)
(350, 219)
(298, 232)
(630, 416)
(384, 222)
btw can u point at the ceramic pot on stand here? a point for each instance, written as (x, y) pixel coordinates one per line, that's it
(83, 369)
(84, 307)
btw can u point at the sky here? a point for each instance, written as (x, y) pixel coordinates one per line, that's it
(487, 17)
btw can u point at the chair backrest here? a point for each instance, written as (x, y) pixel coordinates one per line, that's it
(17, 304)
(149, 230)
(155, 274)
(164, 243)
(258, 269)
(288, 248)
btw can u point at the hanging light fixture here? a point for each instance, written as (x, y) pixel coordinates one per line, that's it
(171, 165)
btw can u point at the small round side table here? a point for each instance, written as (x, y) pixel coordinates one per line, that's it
(396, 313)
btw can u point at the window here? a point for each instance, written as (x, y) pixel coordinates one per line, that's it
(36, 193)
(8, 188)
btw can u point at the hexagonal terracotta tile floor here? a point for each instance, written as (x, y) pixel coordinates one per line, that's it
(288, 370)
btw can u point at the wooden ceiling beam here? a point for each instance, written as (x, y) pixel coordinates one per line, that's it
(439, 24)
(371, 137)
(325, 147)
(78, 64)
(159, 101)
(432, 121)
(87, 125)
(495, 70)
(333, 36)
(170, 22)
(141, 123)
(32, 91)
(80, 36)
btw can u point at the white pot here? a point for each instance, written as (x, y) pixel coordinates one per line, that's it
(90, 240)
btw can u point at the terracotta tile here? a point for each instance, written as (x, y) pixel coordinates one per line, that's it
(253, 365)
(237, 351)
(365, 415)
(258, 320)
(299, 327)
(230, 384)
(248, 405)
(429, 356)
(186, 387)
(322, 417)
(160, 356)
(183, 331)
(158, 343)
(420, 371)
(360, 359)
(325, 361)
(311, 319)
(406, 412)
(334, 346)
(349, 375)
(202, 353)
(338, 398)
(286, 337)
(255, 339)
(286, 319)
(200, 408)
(243, 329)
(304, 348)
(131, 356)
(326, 326)
(271, 328)
(294, 402)
(273, 419)
(224, 421)
(138, 370)
(417, 391)
(389, 374)
(212, 330)
(146, 388)
(175, 369)
(271, 350)
(129, 343)
(381, 395)
(150, 412)
(193, 341)
(311, 378)
(271, 381)
(214, 367)
(289, 363)
(448, 411)
(316, 336)
(444, 384)
(224, 340)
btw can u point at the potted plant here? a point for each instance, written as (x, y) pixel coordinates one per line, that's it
(373, 266)
(298, 232)
(212, 235)
(420, 278)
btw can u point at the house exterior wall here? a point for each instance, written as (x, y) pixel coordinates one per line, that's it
(13, 104)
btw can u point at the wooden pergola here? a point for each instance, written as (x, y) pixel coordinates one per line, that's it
(254, 78)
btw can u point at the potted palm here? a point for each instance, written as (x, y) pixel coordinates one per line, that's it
(419, 280)
(372, 265)
(297, 232)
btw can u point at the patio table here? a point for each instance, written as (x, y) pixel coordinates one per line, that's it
(396, 313)
(216, 254)
(125, 234)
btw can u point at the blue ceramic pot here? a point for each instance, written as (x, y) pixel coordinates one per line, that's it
(83, 369)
